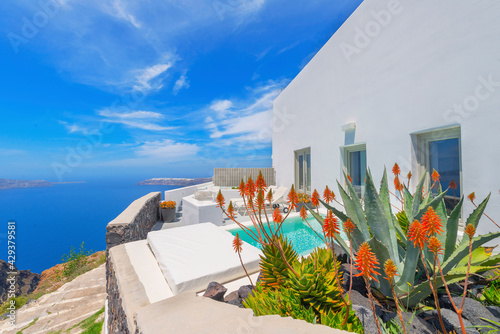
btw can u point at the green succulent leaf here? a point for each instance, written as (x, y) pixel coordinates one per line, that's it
(423, 290)
(381, 226)
(354, 210)
(475, 216)
(452, 230)
(463, 250)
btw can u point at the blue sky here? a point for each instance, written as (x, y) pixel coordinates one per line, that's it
(129, 88)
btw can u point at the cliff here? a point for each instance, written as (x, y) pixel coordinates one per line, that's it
(26, 281)
(174, 181)
(8, 183)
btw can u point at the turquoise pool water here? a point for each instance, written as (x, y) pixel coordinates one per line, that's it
(303, 239)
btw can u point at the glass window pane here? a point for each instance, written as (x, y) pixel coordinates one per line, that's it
(301, 172)
(308, 180)
(357, 170)
(444, 157)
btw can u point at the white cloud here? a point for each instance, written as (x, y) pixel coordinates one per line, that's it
(121, 12)
(147, 79)
(249, 121)
(167, 149)
(145, 120)
(130, 114)
(181, 83)
(221, 107)
(142, 125)
(74, 128)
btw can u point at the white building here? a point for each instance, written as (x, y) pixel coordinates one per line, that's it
(412, 82)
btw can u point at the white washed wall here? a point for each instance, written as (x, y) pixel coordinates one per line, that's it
(426, 57)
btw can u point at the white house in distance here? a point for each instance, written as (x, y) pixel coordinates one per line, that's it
(412, 82)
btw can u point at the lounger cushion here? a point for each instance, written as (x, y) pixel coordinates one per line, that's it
(192, 256)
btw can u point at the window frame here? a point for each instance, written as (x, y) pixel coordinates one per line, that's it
(307, 185)
(345, 152)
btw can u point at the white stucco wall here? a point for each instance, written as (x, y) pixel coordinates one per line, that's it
(423, 57)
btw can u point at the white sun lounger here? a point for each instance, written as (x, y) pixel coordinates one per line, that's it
(192, 256)
(278, 198)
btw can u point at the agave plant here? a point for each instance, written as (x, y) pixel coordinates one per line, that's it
(385, 232)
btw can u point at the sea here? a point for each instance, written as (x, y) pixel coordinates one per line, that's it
(50, 221)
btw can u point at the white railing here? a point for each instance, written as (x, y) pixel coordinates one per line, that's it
(231, 177)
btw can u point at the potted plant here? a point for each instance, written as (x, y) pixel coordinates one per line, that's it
(168, 211)
(304, 199)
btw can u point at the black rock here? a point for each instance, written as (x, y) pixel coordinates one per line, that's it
(473, 310)
(365, 315)
(359, 300)
(25, 281)
(495, 310)
(413, 324)
(215, 291)
(236, 302)
(244, 291)
(232, 296)
(341, 255)
(358, 283)
(450, 320)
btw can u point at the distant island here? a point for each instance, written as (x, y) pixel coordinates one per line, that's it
(8, 183)
(162, 181)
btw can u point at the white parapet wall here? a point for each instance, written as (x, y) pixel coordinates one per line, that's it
(177, 194)
(195, 212)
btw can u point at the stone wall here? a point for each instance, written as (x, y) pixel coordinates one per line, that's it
(135, 221)
(117, 319)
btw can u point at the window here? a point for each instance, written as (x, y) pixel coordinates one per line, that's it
(441, 150)
(303, 171)
(354, 159)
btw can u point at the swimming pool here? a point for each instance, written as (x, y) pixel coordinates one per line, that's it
(298, 233)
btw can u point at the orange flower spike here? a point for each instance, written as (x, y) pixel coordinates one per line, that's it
(470, 230)
(250, 187)
(348, 226)
(220, 200)
(390, 270)
(397, 184)
(431, 222)
(453, 185)
(242, 188)
(366, 262)
(277, 217)
(417, 234)
(328, 195)
(260, 183)
(293, 198)
(435, 176)
(315, 198)
(349, 177)
(396, 170)
(330, 225)
(435, 246)
(230, 210)
(303, 213)
(237, 244)
(472, 197)
(270, 196)
(260, 200)
(409, 176)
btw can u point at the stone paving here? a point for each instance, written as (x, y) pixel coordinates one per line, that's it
(61, 310)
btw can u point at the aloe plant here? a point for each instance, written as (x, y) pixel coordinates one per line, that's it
(376, 224)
